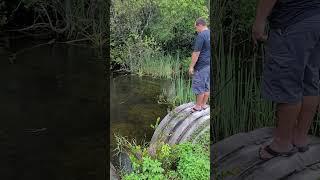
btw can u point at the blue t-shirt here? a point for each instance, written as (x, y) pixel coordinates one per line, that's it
(202, 44)
(288, 12)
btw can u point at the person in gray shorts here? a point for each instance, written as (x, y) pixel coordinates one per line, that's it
(291, 70)
(200, 65)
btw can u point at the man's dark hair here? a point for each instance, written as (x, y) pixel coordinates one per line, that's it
(201, 21)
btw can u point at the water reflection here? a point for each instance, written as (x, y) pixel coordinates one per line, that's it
(134, 106)
(52, 112)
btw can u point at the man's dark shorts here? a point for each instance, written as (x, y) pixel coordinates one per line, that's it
(201, 80)
(291, 69)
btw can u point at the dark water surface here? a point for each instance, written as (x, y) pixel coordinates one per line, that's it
(134, 107)
(53, 113)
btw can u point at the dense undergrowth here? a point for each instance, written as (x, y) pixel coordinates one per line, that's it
(163, 161)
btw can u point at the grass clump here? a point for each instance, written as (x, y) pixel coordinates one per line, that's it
(180, 92)
(158, 67)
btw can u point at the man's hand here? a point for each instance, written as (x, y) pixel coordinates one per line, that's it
(258, 32)
(263, 11)
(194, 59)
(191, 71)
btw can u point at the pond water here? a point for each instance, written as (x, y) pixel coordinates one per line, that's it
(134, 107)
(52, 112)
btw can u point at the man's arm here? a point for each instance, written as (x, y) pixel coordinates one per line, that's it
(194, 59)
(263, 11)
(196, 52)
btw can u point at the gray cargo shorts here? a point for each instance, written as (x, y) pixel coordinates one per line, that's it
(201, 80)
(291, 69)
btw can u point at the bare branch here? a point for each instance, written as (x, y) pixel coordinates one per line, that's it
(50, 22)
(34, 26)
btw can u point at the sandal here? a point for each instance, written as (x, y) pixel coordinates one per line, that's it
(205, 107)
(276, 154)
(302, 149)
(194, 109)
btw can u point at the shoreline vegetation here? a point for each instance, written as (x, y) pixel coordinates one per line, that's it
(154, 38)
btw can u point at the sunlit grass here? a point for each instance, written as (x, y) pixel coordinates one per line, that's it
(158, 67)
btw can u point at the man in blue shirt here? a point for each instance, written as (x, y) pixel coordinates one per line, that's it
(291, 70)
(200, 65)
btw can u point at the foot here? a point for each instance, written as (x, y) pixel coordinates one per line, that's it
(267, 153)
(303, 148)
(196, 108)
(204, 107)
(300, 142)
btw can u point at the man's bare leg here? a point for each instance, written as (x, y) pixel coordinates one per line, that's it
(199, 101)
(308, 110)
(205, 99)
(287, 115)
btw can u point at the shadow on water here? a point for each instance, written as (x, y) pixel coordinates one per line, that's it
(134, 107)
(52, 113)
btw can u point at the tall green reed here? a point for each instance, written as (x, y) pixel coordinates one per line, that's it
(180, 92)
(142, 56)
(159, 66)
(238, 102)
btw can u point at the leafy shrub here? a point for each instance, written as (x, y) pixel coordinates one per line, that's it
(193, 162)
(174, 24)
(151, 169)
(165, 162)
(143, 27)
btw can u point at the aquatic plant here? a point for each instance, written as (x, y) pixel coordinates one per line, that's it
(180, 92)
(159, 67)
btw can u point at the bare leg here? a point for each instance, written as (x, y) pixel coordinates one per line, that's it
(205, 98)
(199, 101)
(287, 115)
(308, 110)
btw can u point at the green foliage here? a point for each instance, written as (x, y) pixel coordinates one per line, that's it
(133, 51)
(151, 169)
(130, 17)
(173, 175)
(174, 25)
(141, 29)
(193, 164)
(177, 162)
(204, 138)
(128, 22)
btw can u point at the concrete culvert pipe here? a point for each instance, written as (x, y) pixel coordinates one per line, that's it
(237, 158)
(182, 124)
